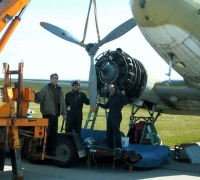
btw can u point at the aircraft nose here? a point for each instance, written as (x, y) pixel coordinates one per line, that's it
(152, 12)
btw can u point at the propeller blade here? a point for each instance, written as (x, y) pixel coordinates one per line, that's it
(92, 49)
(60, 32)
(118, 31)
(92, 86)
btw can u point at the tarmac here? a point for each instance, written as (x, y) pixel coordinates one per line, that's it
(103, 169)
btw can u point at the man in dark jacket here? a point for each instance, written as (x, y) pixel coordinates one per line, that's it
(74, 101)
(115, 103)
(52, 104)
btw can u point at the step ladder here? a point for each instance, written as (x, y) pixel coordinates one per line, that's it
(93, 120)
(149, 134)
(63, 126)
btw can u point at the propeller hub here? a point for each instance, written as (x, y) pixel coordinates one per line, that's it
(91, 48)
(109, 72)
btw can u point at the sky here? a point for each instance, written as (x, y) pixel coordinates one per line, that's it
(44, 53)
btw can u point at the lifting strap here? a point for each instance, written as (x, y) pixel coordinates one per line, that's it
(87, 19)
(96, 20)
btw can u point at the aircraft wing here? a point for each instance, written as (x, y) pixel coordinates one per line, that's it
(178, 98)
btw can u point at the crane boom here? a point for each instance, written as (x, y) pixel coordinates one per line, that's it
(8, 10)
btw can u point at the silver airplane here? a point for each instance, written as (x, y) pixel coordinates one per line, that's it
(171, 27)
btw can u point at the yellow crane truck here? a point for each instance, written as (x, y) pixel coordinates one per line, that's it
(26, 136)
(15, 127)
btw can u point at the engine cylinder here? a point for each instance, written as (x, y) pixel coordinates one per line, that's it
(126, 72)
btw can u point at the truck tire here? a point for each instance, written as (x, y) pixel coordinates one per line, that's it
(66, 150)
(32, 145)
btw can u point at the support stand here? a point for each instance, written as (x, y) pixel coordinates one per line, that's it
(15, 155)
(2, 157)
(148, 134)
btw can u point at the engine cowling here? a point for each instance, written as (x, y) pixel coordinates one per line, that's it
(126, 72)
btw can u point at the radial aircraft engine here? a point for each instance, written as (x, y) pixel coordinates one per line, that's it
(125, 72)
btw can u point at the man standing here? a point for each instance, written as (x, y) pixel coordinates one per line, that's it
(52, 104)
(74, 101)
(115, 103)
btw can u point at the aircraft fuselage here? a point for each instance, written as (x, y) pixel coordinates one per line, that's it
(172, 28)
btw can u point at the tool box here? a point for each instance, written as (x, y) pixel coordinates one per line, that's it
(179, 152)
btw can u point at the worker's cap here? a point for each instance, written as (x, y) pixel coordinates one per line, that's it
(75, 82)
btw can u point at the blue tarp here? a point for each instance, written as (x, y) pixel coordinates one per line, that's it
(152, 155)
